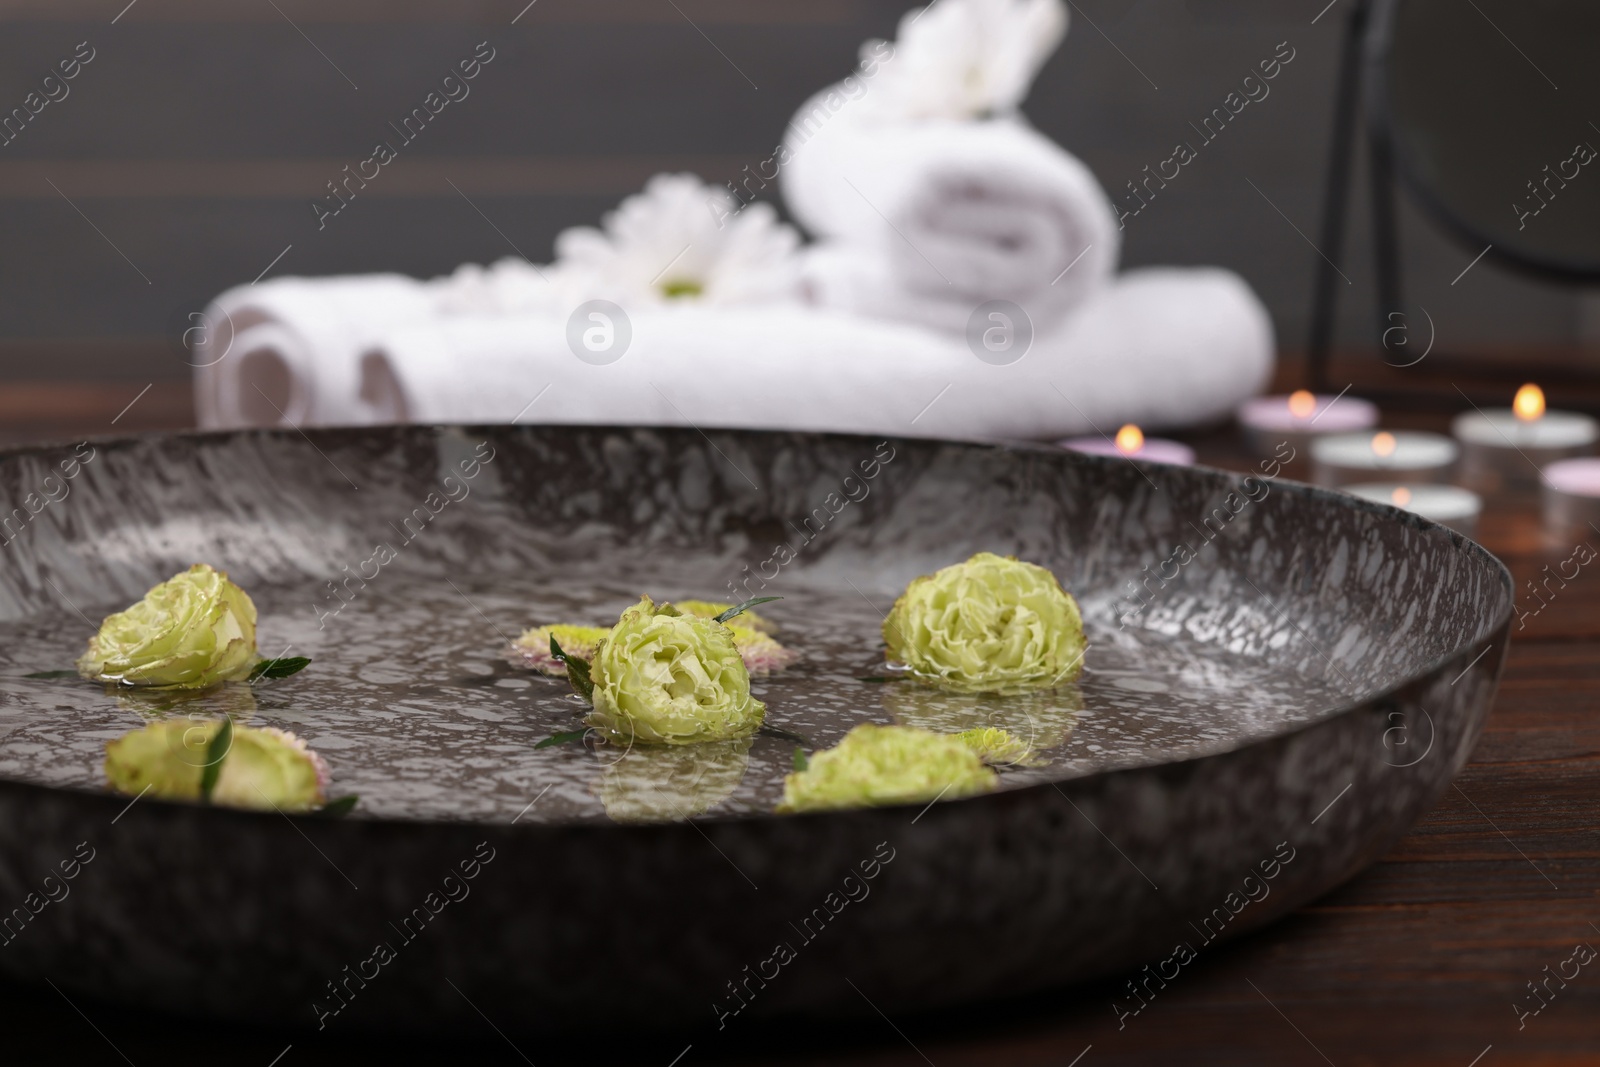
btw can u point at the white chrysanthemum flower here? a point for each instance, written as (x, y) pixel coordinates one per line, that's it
(681, 239)
(962, 59)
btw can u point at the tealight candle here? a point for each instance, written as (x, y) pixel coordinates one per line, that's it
(1446, 505)
(1409, 457)
(1133, 444)
(1269, 421)
(1507, 447)
(1571, 493)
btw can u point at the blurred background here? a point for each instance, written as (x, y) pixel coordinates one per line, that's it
(187, 154)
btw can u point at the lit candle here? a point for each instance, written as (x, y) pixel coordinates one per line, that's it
(1507, 447)
(1446, 505)
(1131, 443)
(1270, 421)
(1406, 456)
(1528, 404)
(1571, 494)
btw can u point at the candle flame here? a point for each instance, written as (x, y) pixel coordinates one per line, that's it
(1401, 496)
(1302, 403)
(1529, 403)
(1130, 439)
(1383, 443)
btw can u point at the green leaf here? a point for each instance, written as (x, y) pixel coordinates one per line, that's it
(216, 752)
(577, 671)
(562, 739)
(740, 609)
(52, 674)
(768, 730)
(801, 760)
(339, 807)
(278, 668)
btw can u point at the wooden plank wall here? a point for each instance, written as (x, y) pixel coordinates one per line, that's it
(185, 155)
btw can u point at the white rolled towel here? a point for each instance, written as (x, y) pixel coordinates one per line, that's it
(955, 213)
(288, 351)
(1163, 348)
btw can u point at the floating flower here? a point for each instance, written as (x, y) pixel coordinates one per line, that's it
(194, 630)
(886, 765)
(990, 625)
(653, 783)
(532, 648)
(261, 767)
(761, 653)
(963, 59)
(681, 239)
(665, 677)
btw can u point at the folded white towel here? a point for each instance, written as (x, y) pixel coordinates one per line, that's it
(511, 284)
(932, 218)
(1163, 348)
(293, 350)
(288, 351)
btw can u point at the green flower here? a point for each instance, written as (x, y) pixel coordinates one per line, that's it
(262, 768)
(989, 625)
(762, 654)
(663, 677)
(192, 631)
(886, 765)
(653, 783)
(532, 649)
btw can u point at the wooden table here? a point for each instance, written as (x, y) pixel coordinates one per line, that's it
(1424, 959)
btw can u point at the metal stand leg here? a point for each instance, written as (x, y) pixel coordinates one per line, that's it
(1385, 238)
(1336, 196)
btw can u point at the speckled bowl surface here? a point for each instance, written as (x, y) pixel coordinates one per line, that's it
(1279, 680)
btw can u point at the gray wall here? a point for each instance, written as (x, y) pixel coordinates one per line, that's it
(199, 134)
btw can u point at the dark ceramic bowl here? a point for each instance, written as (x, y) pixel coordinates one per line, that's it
(1280, 680)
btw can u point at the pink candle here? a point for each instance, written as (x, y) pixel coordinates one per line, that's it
(1304, 412)
(1571, 495)
(1131, 443)
(1272, 422)
(1579, 477)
